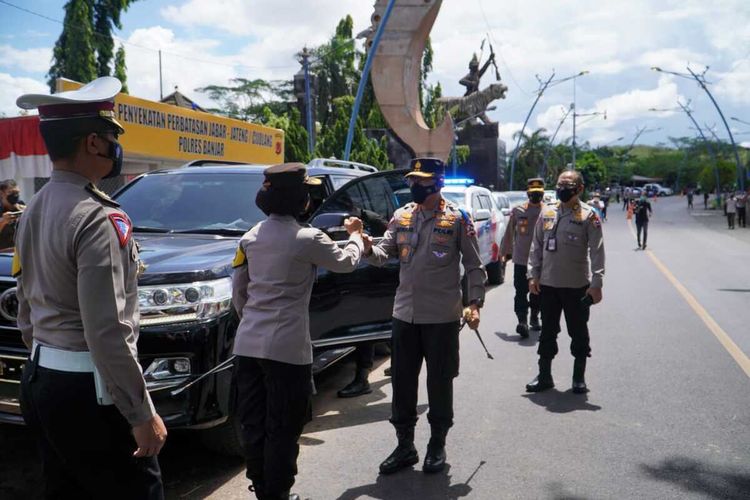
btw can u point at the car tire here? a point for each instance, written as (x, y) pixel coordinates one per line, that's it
(494, 273)
(225, 439)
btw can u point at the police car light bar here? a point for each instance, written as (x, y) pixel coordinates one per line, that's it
(459, 181)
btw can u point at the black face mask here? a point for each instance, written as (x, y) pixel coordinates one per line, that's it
(13, 198)
(565, 194)
(419, 193)
(114, 154)
(536, 197)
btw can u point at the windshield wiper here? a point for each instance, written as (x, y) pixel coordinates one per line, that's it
(223, 231)
(145, 229)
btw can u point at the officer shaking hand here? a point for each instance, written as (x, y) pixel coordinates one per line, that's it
(566, 268)
(431, 238)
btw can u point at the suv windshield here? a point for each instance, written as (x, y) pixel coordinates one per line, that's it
(457, 198)
(190, 202)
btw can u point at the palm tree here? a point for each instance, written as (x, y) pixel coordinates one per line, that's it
(531, 155)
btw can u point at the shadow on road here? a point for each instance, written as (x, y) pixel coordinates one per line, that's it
(702, 478)
(529, 341)
(191, 471)
(412, 484)
(557, 492)
(562, 402)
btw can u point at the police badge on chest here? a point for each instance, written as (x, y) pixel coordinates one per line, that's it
(552, 244)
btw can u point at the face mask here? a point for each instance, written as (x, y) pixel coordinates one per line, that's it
(536, 197)
(565, 194)
(419, 193)
(13, 198)
(114, 154)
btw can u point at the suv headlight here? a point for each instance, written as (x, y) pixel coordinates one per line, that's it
(161, 304)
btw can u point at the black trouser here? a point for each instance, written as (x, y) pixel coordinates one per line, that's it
(642, 227)
(556, 301)
(437, 344)
(522, 299)
(272, 403)
(730, 220)
(741, 217)
(625, 203)
(364, 355)
(86, 449)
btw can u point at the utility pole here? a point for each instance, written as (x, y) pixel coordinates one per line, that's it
(308, 102)
(161, 85)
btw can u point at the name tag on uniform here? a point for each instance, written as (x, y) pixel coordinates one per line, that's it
(552, 244)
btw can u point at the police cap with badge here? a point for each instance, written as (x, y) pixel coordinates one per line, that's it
(535, 185)
(426, 168)
(74, 108)
(285, 190)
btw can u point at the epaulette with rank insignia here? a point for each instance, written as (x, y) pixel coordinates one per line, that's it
(468, 223)
(101, 195)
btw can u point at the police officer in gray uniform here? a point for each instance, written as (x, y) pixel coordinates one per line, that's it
(566, 235)
(83, 394)
(516, 244)
(275, 268)
(431, 237)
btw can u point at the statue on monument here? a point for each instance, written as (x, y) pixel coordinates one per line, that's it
(475, 102)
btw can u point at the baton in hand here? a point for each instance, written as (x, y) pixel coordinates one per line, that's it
(467, 313)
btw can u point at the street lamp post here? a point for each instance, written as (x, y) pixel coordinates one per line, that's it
(542, 87)
(702, 82)
(686, 109)
(552, 140)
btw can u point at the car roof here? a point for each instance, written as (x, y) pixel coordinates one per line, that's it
(255, 169)
(461, 189)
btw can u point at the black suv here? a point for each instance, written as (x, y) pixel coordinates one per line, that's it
(188, 222)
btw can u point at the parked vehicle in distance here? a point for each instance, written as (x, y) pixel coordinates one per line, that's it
(478, 202)
(655, 189)
(516, 197)
(550, 196)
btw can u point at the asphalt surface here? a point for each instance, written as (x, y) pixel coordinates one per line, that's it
(668, 415)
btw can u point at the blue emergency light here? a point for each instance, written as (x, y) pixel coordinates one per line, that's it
(459, 181)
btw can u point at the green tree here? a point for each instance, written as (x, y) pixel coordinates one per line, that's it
(73, 56)
(334, 64)
(295, 136)
(531, 155)
(121, 68)
(85, 48)
(246, 99)
(592, 169)
(332, 140)
(107, 15)
(707, 177)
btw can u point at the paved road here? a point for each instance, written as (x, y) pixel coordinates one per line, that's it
(668, 415)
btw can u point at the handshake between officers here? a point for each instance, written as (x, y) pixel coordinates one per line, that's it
(431, 238)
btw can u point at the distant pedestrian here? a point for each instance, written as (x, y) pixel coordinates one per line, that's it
(705, 200)
(741, 210)
(625, 199)
(731, 210)
(690, 198)
(642, 211)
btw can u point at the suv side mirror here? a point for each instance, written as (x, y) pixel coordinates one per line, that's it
(505, 211)
(332, 224)
(481, 214)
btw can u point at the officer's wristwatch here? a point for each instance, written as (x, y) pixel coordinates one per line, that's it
(477, 302)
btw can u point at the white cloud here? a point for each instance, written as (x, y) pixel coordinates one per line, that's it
(12, 87)
(506, 131)
(27, 60)
(735, 84)
(672, 59)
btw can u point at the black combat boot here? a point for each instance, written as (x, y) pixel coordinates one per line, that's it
(358, 386)
(404, 455)
(579, 382)
(543, 381)
(523, 327)
(434, 460)
(534, 323)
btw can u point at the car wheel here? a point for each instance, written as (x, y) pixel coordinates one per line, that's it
(225, 439)
(494, 273)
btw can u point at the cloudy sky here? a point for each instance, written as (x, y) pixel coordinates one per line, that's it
(617, 41)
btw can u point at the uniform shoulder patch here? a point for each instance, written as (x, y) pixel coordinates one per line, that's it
(101, 196)
(16, 264)
(239, 258)
(595, 220)
(123, 227)
(467, 223)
